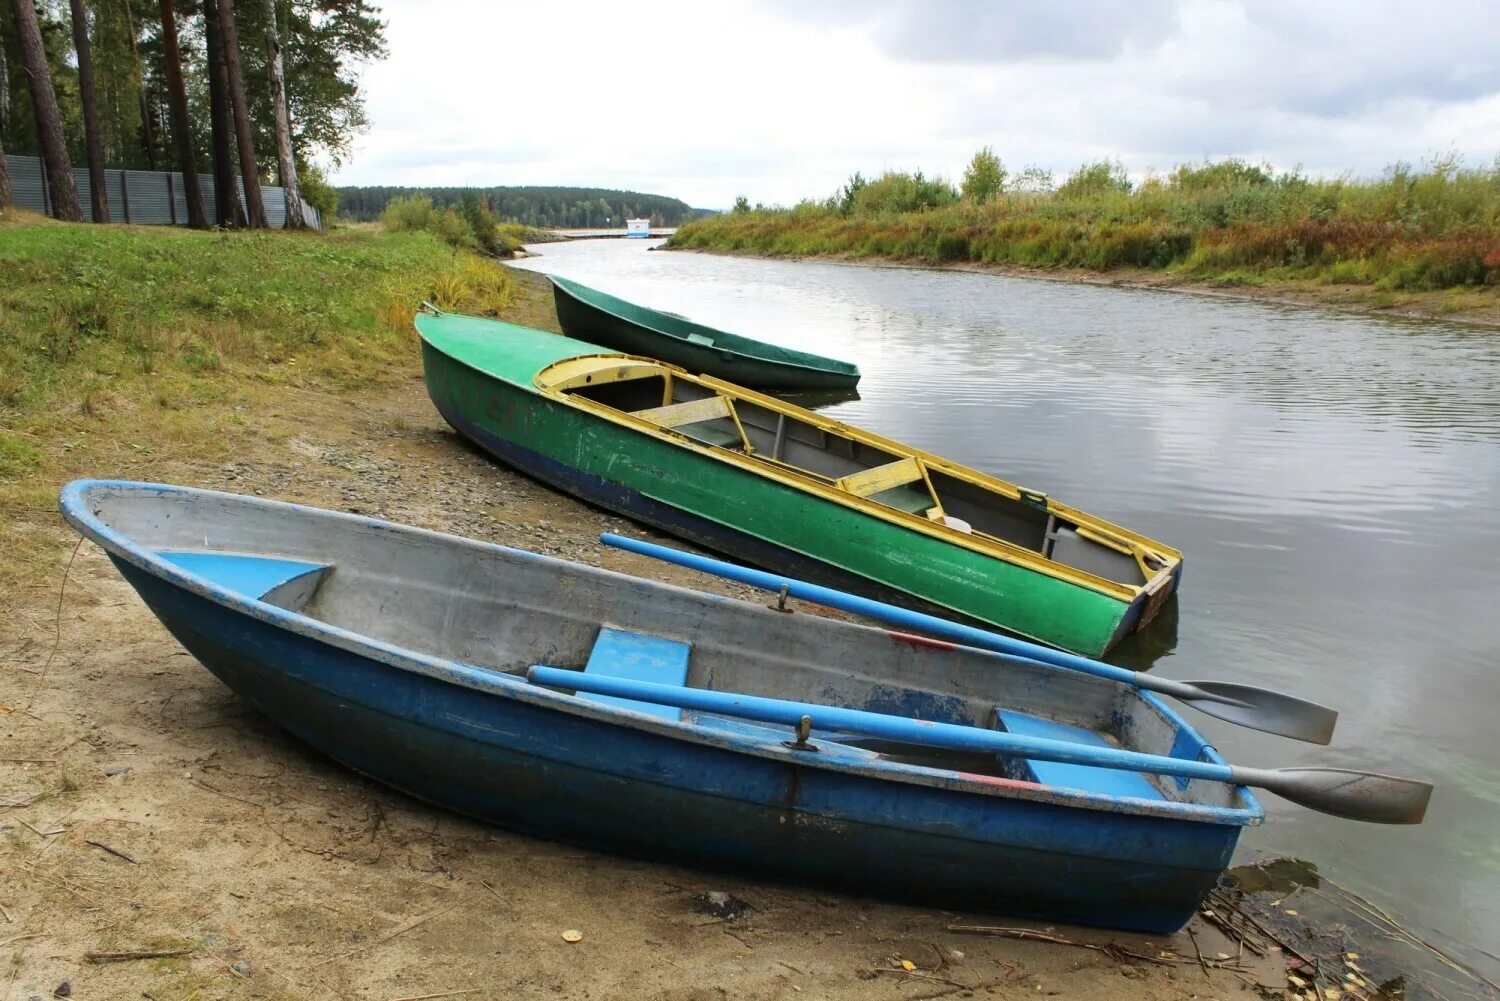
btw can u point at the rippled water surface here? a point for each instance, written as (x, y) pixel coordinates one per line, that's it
(1333, 479)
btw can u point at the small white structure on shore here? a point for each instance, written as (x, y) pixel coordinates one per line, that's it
(638, 227)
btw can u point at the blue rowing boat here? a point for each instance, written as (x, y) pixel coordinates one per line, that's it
(586, 705)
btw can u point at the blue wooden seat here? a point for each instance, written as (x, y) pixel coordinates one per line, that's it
(638, 657)
(252, 576)
(1110, 781)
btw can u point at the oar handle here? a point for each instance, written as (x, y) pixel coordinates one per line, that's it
(899, 728)
(903, 617)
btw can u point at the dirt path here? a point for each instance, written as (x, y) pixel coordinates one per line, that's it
(144, 808)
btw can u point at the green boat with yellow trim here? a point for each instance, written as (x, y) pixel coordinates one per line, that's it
(775, 485)
(600, 318)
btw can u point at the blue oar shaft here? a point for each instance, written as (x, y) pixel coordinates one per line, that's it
(903, 617)
(898, 728)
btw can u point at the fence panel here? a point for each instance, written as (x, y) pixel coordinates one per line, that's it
(275, 207)
(26, 182)
(140, 196)
(114, 190)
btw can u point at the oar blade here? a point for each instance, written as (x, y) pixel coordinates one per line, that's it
(1261, 709)
(1344, 792)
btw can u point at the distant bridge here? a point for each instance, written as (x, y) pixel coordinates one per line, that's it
(602, 234)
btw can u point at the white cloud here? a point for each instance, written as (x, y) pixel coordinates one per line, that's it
(783, 99)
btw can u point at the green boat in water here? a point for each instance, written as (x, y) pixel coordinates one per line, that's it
(778, 486)
(599, 318)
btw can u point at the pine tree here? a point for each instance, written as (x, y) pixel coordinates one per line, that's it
(148, 137)
(98, 197)
(6, 198)
(230, 208)
(182, 126)
(286, 163)
(48, 118)
(255, 209)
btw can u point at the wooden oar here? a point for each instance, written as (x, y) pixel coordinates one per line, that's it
(1378, 799)
(1246, 705)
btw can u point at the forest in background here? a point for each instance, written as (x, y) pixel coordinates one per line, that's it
(322, 45)
(554, 207)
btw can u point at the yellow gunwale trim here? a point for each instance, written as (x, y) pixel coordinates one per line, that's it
(554, 380)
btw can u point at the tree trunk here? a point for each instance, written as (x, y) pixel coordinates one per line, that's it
(148, 139)
(286, 163)
(6, 198)
(231, 210)
(255, 209)
(48, 119)
(4, 101)
(182, 126)
(98, 197)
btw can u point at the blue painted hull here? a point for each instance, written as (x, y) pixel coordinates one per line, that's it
(539, 768)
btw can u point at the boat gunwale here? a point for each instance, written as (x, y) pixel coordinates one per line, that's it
(990, 546)
(79, 514)
(848, 370)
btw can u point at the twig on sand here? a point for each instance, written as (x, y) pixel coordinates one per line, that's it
(29, 761)
(44, 835)
(920, 975)
(22, 938)
(57, 626)
(125, 957)
(113, 851)
(1032, 935)
(400, 930)
(24, 802)
(1193, 936)
(8, 918)
(439, 994)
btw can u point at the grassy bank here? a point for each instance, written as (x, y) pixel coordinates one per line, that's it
(124, 348)
(1410, 234)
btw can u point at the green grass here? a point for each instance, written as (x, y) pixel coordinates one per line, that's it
(89, 312)
(1229, 223)
(123, 347)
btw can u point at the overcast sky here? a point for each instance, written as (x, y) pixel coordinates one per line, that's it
(782, 99)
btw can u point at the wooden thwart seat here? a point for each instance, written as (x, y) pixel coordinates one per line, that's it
(695, 418)
(879, 479)
(1109, 781)
(264, 577)
(887, 485)
(638, 657)
(675, 415)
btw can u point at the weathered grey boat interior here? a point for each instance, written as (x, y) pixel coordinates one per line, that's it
(895, 480)
(505, 610)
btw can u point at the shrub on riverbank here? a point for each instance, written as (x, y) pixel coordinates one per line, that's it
(1433, 228)
(469, 225)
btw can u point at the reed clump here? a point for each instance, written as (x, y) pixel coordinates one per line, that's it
(1431, 227)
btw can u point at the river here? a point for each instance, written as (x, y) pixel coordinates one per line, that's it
(1333, 479)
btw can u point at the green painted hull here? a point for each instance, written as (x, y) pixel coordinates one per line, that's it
(479, 375)
(590, 315)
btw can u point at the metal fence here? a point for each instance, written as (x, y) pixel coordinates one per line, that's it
(149, 197)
